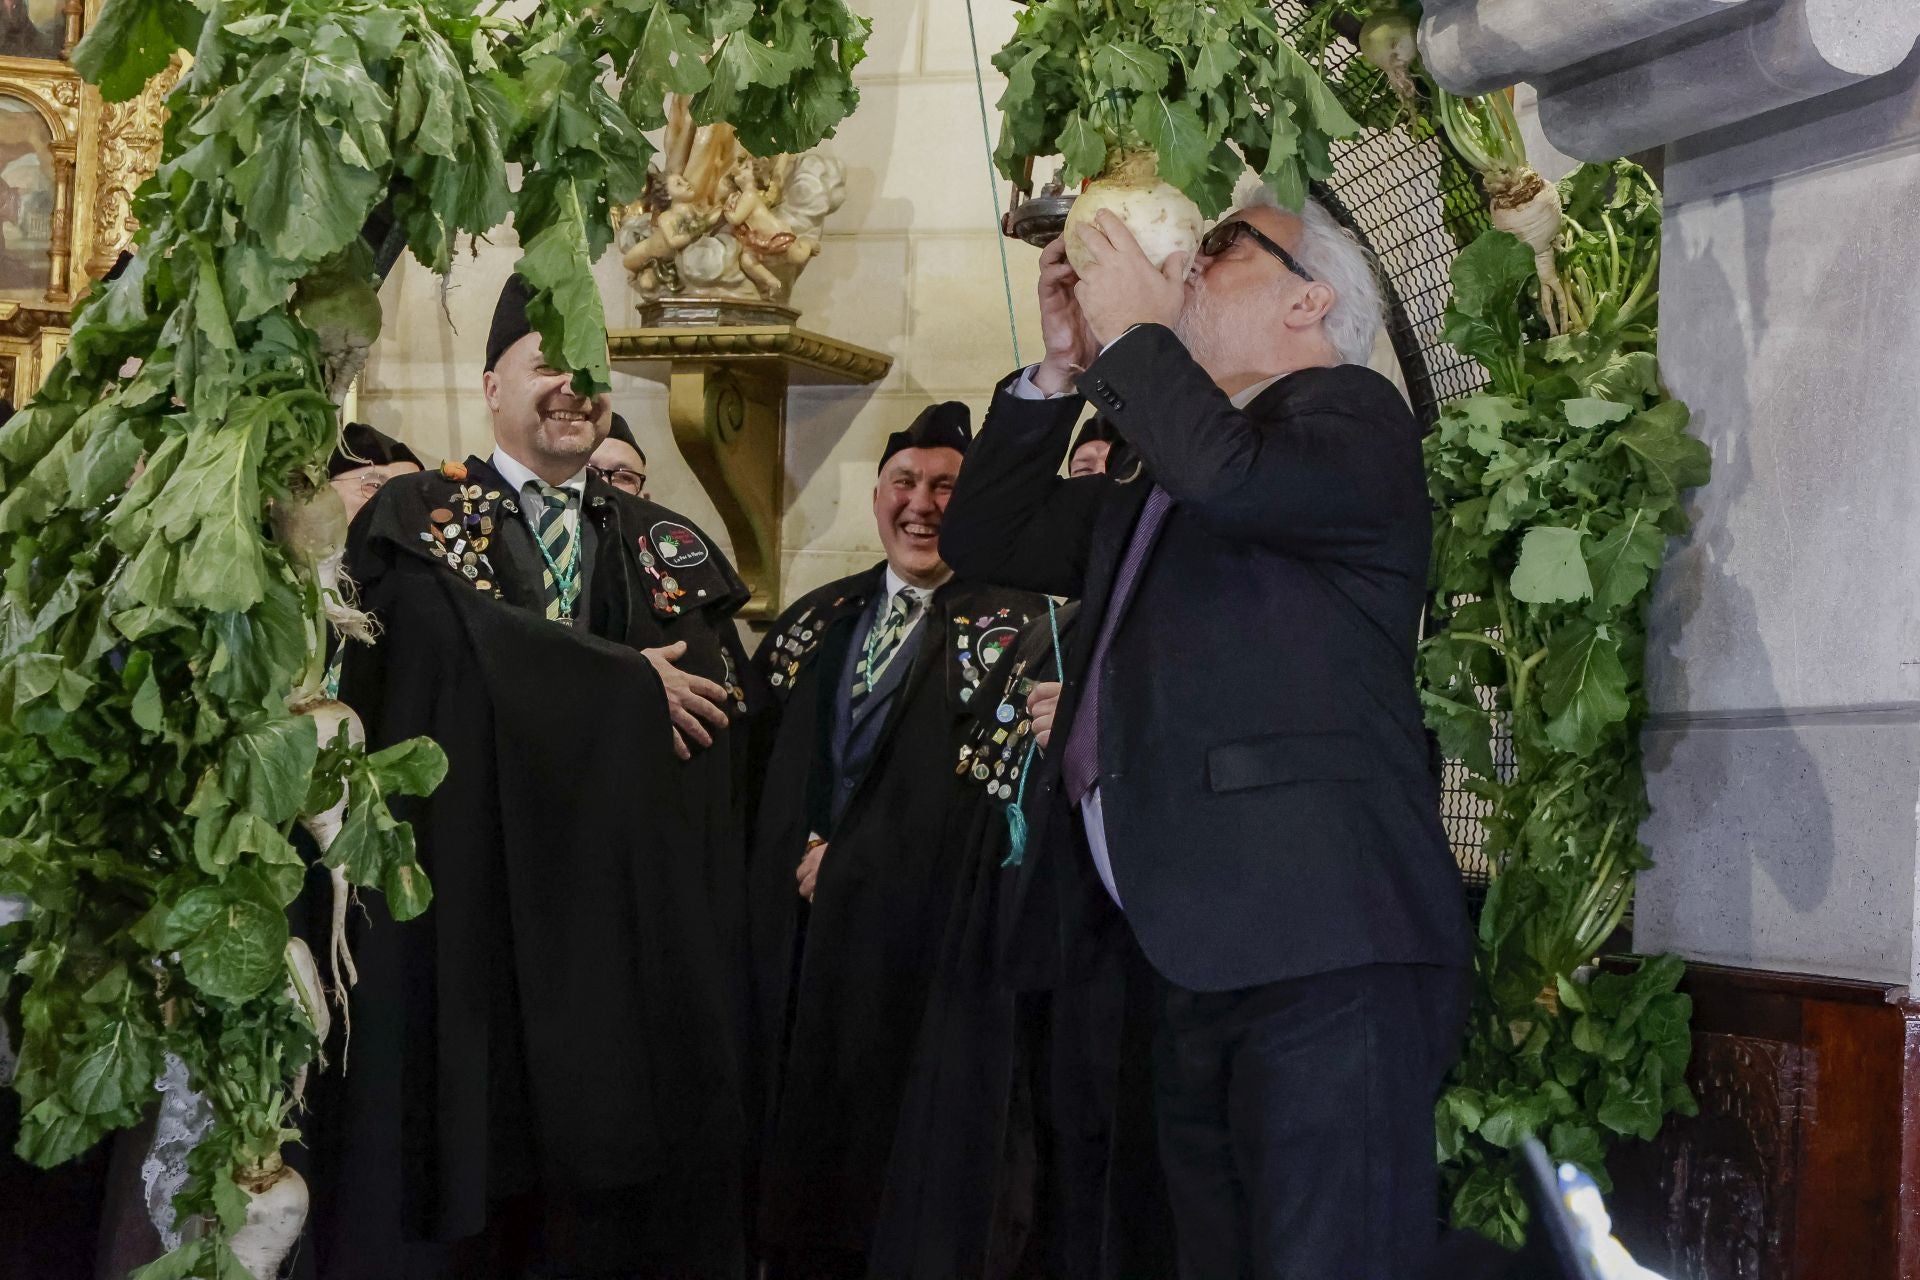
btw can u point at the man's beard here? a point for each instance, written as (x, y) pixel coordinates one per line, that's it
(578, 439)
(1218, 332)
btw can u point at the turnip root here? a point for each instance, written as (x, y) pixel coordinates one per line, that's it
(1527, 207)
(313, 528)
(307, 991)
(1159, 215)
(1387, 41)
(329, 718)
(276, 1210)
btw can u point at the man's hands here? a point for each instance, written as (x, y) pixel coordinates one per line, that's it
(1043, 701)
(1082, 311)
(808, 873)
(1070, 347)
(690, 699)
(1118, 287)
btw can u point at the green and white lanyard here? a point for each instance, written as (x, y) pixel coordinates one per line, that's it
(551, 527)
(1016, 812)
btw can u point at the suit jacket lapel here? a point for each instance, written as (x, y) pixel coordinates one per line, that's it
(1112, 530)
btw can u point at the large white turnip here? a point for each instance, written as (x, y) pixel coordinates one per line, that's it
(1159, 214)
(276, 1211)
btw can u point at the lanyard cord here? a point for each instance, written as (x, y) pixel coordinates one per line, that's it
(1016, 812)
(566, 585)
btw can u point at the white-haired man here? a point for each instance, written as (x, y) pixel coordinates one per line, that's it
(1243, 787)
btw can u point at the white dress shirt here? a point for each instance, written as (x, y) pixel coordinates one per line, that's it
(1091, 813)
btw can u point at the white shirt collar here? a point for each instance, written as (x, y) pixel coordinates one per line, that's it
(517, 475)
(896, 583)
(1252, 393)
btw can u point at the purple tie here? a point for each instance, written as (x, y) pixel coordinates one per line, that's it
(1080, 766)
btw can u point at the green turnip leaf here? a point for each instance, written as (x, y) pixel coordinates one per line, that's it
(1551, 569)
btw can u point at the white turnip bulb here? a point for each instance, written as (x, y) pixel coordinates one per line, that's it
(1161, 217)
(276, 1211)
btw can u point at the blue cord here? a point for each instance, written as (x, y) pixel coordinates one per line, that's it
(1016, 812)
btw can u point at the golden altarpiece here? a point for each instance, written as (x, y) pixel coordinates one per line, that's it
(69, 165)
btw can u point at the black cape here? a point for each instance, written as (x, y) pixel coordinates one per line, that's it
(965, 1185)
(840, 985)
(1025, 1148)
(544, 1073)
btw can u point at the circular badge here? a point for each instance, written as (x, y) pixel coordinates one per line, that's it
(994, 643)
(678, 545)
(1005, 713)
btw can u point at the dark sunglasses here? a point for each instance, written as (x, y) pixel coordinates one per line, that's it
(1226, 234)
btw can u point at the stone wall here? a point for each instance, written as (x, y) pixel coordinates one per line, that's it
(1784, 672)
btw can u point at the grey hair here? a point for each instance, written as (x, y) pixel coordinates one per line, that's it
(1332, 254)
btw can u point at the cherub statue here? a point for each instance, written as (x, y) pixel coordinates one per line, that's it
(717, 223)
(677, 221)
(764, 235)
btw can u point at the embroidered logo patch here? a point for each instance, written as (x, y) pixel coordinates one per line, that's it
(994, 643)
(678, 545)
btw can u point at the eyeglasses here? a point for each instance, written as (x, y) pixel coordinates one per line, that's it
(1226, 234)
(624, 478)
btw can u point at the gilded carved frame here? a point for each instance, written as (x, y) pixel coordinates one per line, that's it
(100, 154)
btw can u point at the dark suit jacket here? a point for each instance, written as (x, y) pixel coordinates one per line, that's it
(1272, 805)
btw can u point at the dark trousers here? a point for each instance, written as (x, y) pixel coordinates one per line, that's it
(1295, 1122)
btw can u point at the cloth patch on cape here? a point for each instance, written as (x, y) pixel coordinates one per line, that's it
(978, 644)
(677, 546)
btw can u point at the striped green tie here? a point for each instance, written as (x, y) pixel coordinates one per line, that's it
(560, 576)
(883, 642)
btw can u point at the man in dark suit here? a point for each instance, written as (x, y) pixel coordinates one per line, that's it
(1243, 770)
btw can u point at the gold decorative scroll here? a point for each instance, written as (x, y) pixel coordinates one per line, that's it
(129, 152)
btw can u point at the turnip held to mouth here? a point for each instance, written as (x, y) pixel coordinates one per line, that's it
(1163, 220)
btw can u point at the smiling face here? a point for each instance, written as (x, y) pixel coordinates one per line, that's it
(538, 419)
(909, 503)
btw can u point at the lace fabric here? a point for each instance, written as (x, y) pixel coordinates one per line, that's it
(185, 1117)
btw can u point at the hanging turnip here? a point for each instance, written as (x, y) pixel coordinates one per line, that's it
(1159, 109)
(276, 1211)
(1519, 201)
(1161, 217)
(330, 717)
(312, 526)
(1387, 40)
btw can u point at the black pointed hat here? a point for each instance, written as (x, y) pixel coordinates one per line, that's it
(510, 323)
(948, 425)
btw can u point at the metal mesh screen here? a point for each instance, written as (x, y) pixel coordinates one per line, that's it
(1414, 204)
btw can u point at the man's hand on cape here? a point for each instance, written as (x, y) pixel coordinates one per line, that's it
(690, 700)
(1042, 703)
(808, 874)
